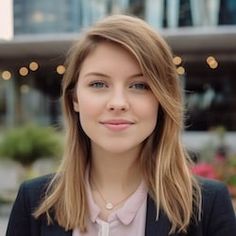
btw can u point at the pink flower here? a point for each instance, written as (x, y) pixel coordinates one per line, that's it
(204, 170)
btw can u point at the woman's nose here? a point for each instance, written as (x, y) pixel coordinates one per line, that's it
(118, 101)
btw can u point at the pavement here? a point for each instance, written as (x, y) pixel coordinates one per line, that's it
(9, 183)
(3, 225)
(4, 217)
(11, 175)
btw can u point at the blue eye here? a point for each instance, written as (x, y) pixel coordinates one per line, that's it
(140, 86)
(97, 84)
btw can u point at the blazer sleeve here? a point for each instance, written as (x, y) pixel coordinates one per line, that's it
(221, 218)
(21, 221)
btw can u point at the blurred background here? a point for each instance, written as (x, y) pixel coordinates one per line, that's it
(34, 39)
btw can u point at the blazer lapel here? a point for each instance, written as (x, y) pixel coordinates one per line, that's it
(160, 227)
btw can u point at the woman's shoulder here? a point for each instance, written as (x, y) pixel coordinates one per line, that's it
(216, 201)
(218, 216)
(211, 187)
(38, 181)
(34, 189)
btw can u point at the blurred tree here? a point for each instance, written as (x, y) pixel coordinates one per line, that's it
(28, 143)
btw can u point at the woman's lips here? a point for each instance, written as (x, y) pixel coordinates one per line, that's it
(117, 125)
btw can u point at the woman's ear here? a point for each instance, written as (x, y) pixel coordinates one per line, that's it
(76, 106)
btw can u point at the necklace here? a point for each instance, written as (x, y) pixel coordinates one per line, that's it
(109, 205)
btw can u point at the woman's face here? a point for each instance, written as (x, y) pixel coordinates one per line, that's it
(117, 109)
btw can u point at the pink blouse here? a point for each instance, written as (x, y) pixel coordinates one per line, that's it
(130, 219)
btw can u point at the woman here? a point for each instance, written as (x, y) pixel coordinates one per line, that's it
(125, 170)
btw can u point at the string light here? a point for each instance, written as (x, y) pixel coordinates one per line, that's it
(33, 66)
(210, 59)
(177, 60)
(180, 70)
(61, 69)
(23, 71)
(6, 75)
(214, 65)
(212, 62)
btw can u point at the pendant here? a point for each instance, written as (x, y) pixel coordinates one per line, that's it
(109, 206)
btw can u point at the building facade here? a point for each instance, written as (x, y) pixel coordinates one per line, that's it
(201, 32)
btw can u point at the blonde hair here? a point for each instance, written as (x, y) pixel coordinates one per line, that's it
(164, 161)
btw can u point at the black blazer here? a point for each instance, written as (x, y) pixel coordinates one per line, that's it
(218, 217)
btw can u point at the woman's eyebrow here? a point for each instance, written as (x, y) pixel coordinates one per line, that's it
(99, 74)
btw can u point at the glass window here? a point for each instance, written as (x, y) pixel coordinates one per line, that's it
(227, 15)
(185, 17)
(210, 98)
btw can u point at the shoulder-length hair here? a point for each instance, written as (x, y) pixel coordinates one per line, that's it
(164, 161)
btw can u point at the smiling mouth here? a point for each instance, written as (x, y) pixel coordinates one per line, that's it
(117, 125)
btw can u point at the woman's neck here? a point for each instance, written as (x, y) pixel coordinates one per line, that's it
(113, 178)
(115, 172)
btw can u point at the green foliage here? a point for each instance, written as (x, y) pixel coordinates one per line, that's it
(28, 143)
(4, 201)
(231, 180)
(232, 161)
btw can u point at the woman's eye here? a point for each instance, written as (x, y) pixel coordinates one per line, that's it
(97, 84)
(141, 86)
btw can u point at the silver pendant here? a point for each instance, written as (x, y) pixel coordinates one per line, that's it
(109, 206)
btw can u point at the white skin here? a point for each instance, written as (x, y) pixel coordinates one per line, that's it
(118, 111)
